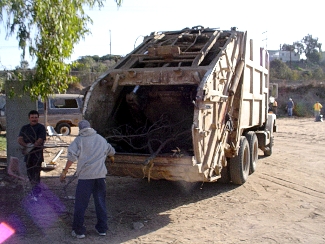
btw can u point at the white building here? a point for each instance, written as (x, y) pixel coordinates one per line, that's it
(285, 56)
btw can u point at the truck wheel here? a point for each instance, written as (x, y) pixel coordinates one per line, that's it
(268, 149)
(253, 150)
(63, 129)
(239, 165)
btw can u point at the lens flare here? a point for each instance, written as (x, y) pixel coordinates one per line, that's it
(5, 232)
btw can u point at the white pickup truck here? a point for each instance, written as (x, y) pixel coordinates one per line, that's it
(63, 112)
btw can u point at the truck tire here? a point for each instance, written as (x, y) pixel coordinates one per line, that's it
(271, 127)
(268, 149)
(63, 128)
(239, 165)
(253, 150)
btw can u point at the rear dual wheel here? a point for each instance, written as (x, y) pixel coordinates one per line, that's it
(253, 147)
(269, 148)
(239, 166)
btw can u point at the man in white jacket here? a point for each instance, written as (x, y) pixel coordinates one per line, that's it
(90, 150)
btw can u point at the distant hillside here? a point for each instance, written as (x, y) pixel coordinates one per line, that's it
(304, 95)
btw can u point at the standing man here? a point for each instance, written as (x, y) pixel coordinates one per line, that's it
(90, 150)
(290, 105)
(275, 107)
(31, 138)
(317, 108)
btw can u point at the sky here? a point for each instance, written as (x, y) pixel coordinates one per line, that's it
(117, 31)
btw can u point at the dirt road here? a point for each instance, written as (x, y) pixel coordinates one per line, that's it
(282, 202)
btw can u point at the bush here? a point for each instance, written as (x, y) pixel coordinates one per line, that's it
(318, 73)
(279, 70)
(294, 75)
(301, 110)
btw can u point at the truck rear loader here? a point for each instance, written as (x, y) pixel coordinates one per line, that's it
(188, 105)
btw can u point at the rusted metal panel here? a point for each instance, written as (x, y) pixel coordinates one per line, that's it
(168, 167)
(150, 77)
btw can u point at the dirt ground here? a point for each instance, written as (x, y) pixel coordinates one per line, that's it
(282, 202)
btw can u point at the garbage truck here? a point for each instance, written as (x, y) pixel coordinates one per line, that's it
(188, 105)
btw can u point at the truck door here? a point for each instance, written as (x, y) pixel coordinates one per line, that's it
(211, 124)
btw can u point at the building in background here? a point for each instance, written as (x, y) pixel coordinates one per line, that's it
(286, 56)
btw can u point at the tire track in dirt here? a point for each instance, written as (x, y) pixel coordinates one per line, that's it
(293, 186)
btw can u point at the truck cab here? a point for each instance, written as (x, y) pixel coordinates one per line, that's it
(63, 112)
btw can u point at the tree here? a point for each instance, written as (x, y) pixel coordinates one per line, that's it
(314, 57)
(299, 47)
(85, 64)
(23, 65)
(49, 29)
(311, 44)
(88, 68)
(310, 47)
(287, 47)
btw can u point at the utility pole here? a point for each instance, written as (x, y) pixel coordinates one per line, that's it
(265, 39)
(110, 43)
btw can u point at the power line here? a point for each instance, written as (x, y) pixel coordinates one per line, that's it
(7, 47)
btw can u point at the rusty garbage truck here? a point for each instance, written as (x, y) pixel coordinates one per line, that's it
(188, 105)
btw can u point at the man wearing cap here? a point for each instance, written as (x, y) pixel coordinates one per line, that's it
(290, 106)
(90, 150)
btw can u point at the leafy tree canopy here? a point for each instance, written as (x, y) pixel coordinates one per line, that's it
(287, 47)
(49, 29)
(23, 65)
(310, 46)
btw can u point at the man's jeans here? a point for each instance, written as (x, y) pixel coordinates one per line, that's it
(84, 189)
(34, 175)
(317, 113)
(290, 111)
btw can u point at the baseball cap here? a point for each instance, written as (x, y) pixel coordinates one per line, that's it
(83, 124)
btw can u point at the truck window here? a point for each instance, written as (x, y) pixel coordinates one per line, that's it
(40, 105)
(71, 103)
(63, 103)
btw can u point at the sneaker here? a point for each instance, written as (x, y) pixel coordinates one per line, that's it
(74, 234)
(101, 233)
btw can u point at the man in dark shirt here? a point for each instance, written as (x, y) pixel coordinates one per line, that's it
(32, 137)
(290, 106)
